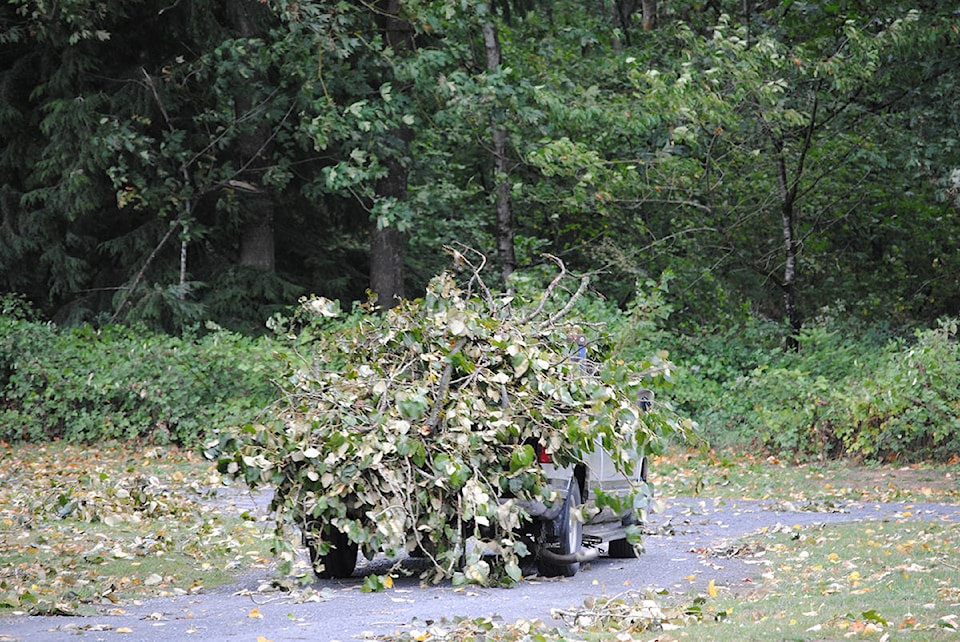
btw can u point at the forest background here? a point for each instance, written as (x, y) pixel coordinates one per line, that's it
(766, 191)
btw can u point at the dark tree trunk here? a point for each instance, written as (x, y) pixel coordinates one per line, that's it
(650, 20)
(257, 248)
(506, 251)
(388, 244)
(623, 17)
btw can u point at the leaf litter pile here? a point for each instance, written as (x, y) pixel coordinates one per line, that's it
(86, 526)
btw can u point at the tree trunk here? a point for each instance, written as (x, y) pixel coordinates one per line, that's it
(388, 244)
(789, 188)
(788, 223)
(257, 246)
(506, 251)
(623, 16)
(649, 14)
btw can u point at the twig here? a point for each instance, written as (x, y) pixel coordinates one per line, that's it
(385, 398)
(549, 291)
(584, 282)
(444, 385)
(460, 260)
(136, 281)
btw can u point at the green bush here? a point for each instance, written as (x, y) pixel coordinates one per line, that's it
(908, 406)
(399, 430)
(87, 385)
(848, 391)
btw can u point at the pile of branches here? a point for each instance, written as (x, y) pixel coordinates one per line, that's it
(413, 429)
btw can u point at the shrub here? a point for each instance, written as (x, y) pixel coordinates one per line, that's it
(847, 392)
(87, 385)
(908, 407)
(399, 431)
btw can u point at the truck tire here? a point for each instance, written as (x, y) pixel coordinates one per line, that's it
(340, 561)
(564, 536)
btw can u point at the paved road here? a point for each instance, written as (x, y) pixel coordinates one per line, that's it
(678, 558)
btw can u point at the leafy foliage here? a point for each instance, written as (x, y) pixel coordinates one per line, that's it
(414, 429)
(847, 392)
(775, 159)
(145, 146)
(86, 385)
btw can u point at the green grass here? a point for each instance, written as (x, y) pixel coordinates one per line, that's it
(897, 579)
(746, 477)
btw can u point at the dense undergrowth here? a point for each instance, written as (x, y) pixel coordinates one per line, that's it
(847, 392)
(851, 390)
(86, 385)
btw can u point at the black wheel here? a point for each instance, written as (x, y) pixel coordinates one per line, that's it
(564, 536)
(339, 561)
(622, 548)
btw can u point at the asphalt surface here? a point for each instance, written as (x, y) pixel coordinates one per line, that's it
(687, 546)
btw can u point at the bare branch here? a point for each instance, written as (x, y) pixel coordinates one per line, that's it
(460, 260)
(441, 397)
(584, 282)
(547, 293)
(136, 281)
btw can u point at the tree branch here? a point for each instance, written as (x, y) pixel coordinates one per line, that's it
(549, 291)
(136, 281)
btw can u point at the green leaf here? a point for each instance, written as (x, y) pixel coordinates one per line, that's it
(873, 616)
(522, 458)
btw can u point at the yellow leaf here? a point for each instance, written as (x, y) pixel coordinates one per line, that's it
(387, 582)
(855, 576)
(260, 638)
(689, 578)
(123, 629)
(255, 613)
(712, 589)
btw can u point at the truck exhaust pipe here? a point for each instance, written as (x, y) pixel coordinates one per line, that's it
(582, 555)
